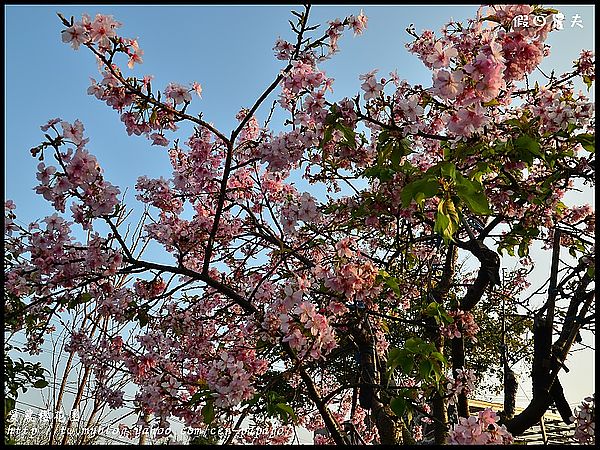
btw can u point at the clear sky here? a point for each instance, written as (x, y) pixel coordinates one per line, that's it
(228, 49)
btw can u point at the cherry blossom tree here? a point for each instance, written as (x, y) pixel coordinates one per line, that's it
(353, 311)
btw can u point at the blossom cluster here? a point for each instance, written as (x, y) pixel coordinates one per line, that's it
(463, 326)
(81, 177)
(480, 430)
(462, 383)
(258, 265)
(56, 260)
(585, 421)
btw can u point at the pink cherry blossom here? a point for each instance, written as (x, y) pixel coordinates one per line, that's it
(178, 93)
(75, 35)
(358, 23)
(197, 88)
(440, 57)
(448, 85)
(159, 139)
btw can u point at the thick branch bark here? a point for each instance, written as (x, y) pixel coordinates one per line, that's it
(488, 273)
(558, 395)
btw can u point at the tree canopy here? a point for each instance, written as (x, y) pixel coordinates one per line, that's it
(368, 309)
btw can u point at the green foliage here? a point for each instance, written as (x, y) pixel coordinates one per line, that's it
(274, 404)
(421, 355)
(526, 148)
(204, 440)
(277, 407)
(419, 190)
(519, 236)
(389, 281)
(588, 81)
(446, 219)
(454, 189)
(472, 194)
(19, 375)
(72, 302)
(417, 359)
(401, 406)
(198, 396)
(587, 141)
(440, 315)
(208, 412)
(391, 151)
(333, 122)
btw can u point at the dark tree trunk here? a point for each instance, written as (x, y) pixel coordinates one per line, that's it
(560, 401)
(510, 392)
(440, 295)
(388, 425)
(458, 362)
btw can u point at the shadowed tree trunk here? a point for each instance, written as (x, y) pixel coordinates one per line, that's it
(458, 362)
(388, 425)
(549, 359)
(440, 295)
(487, 275)
(510, 392)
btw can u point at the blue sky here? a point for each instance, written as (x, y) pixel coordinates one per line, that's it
(228, 49)
(225, 48)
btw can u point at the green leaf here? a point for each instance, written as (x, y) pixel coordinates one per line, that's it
(407, 362)
(400, 357)
(440, 357)
(392, 283)
(433, 309)
(208, 412)
(527, 148)
(396, 155)
(382, 173)
(413, 345)
(447, 169)
(383, 136)
(587, 141)
(143, 318)
(591, 271)
(287, 410)
(9, 405)
(40, 384)
(492, 102)
(80, 299)
(327, 135)
(393, 355)
(417, 345)
(348, 133)
(419, 190)
(471, 192)
(399, 406)
(333, 115)
(514, 122)
(446, 219)
(199, 395)
(477, 202)
(425, 369)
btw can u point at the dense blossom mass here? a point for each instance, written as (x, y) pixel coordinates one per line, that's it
(585, 421)
(352, 314)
